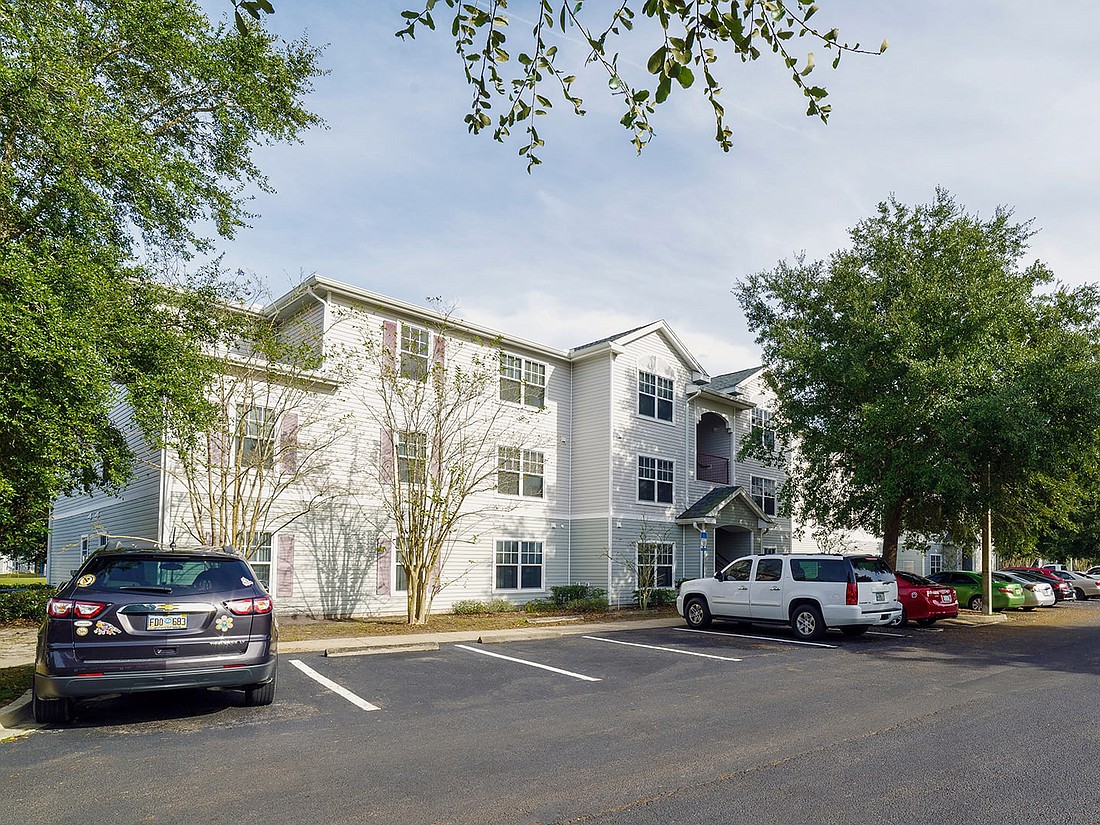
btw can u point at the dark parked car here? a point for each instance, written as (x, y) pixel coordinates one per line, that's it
(143, 620)
(1063, 590)
(924, 601)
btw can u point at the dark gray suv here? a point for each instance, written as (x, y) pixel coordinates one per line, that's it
(143, 620)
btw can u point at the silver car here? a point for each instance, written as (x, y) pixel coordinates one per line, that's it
(1084, 586)
(1036, 593)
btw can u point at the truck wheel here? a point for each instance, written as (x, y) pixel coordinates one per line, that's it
(807, 623)
(696, 612)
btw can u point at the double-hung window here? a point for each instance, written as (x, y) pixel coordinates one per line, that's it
(255, 436)
(935, 563)
(259, 556)
(522, 381)
(518, 565)
(763, 493)
(400, 579)
(654, 396)
(762, 429)
(412, 457)
(520, 472)
(654, 480)
(415, 343)
(654, 564)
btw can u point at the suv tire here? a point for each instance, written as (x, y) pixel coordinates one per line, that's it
(807, 623)
(696, 612)
(51, 711)
(257, 695)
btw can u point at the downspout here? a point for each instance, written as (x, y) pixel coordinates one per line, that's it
(569, 484)
(689, 422)
(610, 470)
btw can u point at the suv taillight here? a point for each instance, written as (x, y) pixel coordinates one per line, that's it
(66, 609)
(247, 607)
(851, 593)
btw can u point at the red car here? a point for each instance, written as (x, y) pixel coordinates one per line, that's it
(1063, 590)
(924, 601)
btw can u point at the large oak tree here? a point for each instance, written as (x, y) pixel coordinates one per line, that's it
(126, 127)
(927, 376)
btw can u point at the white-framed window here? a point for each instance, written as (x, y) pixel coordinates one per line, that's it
(762, 429)
(518, 565)
(655, 476)
(415, 346)
(522, 381)
(412, 457)
(259, 556)
(654, 564)
(400, 579)
(255, 436)
(935, 563)
(520, 472)
(84, 548)
(654, 396)
(763, 493)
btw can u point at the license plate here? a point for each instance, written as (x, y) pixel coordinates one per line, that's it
(177, 621)
(880, 597)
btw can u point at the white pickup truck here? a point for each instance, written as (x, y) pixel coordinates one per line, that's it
(808, 592)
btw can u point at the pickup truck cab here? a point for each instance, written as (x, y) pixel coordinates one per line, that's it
(808, 592)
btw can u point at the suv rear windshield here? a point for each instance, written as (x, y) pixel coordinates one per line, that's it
(872, 569)
(821, 570)
(164, 575)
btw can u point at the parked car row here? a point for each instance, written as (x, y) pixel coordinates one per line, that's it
(814, 592)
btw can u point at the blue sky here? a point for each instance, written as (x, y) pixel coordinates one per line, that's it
(995, 100)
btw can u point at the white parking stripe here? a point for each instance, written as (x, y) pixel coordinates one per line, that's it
(530, 664)
(331, 685)
(666, 649)
(761, 638)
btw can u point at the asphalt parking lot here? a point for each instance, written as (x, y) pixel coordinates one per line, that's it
(579, 725)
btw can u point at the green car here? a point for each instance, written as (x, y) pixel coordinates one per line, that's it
(968, 587)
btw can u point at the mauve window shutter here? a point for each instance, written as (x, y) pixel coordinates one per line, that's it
(284, 566)
(288, 442)
(389, 338)
(439, 351)
(382, 566)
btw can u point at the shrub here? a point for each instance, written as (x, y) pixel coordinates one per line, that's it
(658, 597)
(564, 595)
(501, 606)
(540, 606)
(469, 607)
(25, 603)
(595, 603)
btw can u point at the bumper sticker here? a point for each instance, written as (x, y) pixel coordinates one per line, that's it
(224, 623)
(106, 629)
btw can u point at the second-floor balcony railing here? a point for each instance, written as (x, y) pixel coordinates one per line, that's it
(712, 468)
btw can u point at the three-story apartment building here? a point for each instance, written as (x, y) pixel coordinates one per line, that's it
(610, 461)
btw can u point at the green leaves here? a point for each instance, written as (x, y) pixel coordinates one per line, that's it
(692, 36)
(123, 127)
(922, 360)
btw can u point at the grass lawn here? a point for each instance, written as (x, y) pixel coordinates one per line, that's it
(17, 579)
(13, 681)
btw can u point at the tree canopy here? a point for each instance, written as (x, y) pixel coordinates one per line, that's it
(688, 39)
(125, 127)
(925, 376)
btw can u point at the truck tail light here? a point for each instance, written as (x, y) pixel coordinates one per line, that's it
(851, 593)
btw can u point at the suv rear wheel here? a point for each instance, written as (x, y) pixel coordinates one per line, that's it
(51, 711)
(807, 623)
(696, 612)
(256, 695)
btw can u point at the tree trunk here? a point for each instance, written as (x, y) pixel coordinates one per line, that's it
(891, 534)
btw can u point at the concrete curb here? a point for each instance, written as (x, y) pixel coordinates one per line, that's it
(15, 719)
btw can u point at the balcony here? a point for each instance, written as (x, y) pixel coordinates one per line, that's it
(712, 468)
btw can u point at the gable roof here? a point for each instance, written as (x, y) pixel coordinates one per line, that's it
(707, 507)
(730, 380)
(631, 335)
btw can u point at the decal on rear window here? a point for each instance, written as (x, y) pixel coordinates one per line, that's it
(86, 580)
